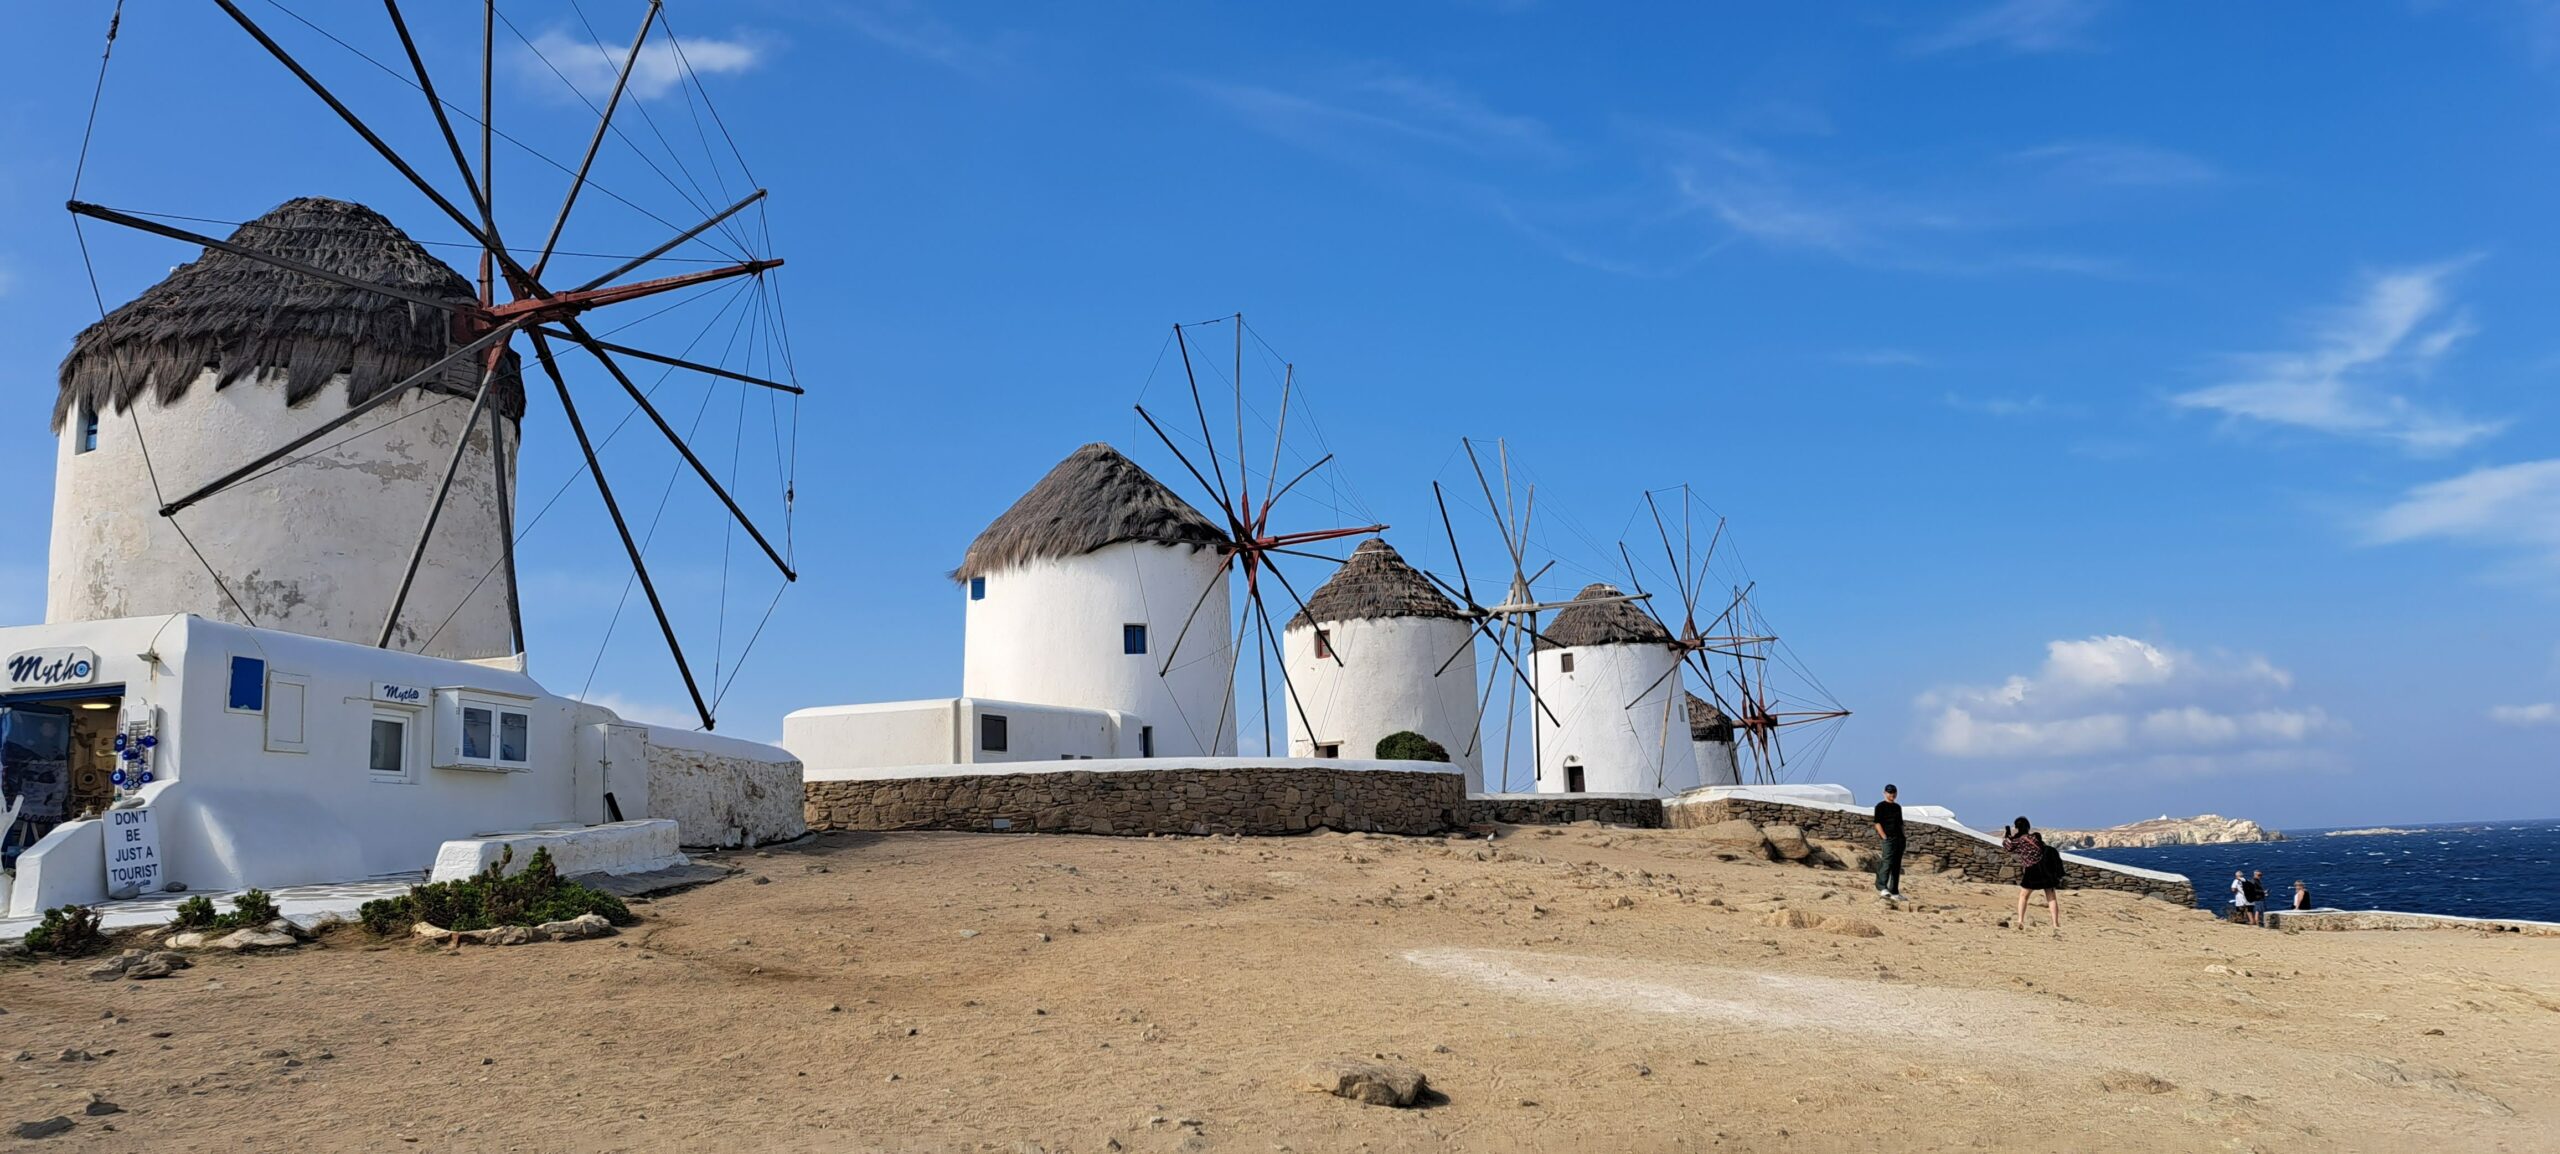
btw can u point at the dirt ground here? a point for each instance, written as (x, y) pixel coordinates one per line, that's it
(1576, 989)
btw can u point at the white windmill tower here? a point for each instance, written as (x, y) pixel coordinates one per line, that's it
(1369, 657)
(1608, 672)
(1079, 590)
(1711, 742)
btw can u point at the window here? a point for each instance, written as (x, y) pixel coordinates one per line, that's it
(248, 685)
(1324, 645)
(1564, 663)
(1146, 741)
(1133, 639)
(512, 732)
(1573, 779)
(390, 757)
(991, 732)
(88, 427)
(475, 731)
(1328, 749)
(977, 589)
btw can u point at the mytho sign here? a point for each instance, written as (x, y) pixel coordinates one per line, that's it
(133, 853)
(51, 668)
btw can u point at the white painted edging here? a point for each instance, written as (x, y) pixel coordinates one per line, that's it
(1124, 765)
(623, 847)
(1712, 795)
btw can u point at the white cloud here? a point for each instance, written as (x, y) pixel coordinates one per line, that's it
(1364, 108)
(2513, 506)
(914, 30)
(2538, 713)
(2100, 164)
(2114, 696)
(2023, 26)
(591, 66)
(2348, 380)
(1995, 406)
(647, 712)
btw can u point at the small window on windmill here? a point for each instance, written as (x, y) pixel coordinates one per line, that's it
(1133, 639)
(1324, 645)
(991, 732)
(88, 426)
(977, 589)
(248, 685)
(1328, 749)
(1564, 663)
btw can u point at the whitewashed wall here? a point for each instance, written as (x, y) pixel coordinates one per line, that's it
(945, 731)
(1049, 633)
(1389, 680)
(1716, 763)
(316, 547)
(1643, 749)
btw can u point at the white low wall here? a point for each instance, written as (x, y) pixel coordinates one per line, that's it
(720, 790)
(1119, 765)
(66, 867)
(623, 847)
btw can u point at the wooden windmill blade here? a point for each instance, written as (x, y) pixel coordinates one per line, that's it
(486, 327)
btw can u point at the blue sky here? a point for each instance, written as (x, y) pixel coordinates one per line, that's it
(2125, 408)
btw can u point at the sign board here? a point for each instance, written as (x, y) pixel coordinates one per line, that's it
(391, 694)
(51, 668)
(133, 853)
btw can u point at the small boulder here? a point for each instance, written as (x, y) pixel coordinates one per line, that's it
(503, 935)
(243, 940)
(1847, 855)
(190, 940)
(1787, 842)
(1370, 1083)
(45, 1128)
(574, 929)
(1737, 837)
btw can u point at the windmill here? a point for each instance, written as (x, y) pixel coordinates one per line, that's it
(1252, 545)
(1511, 623)
(1758, 706)
(518, 295)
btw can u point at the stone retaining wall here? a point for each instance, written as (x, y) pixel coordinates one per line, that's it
(1565, 809)
(1264, 800)
(1958, 850)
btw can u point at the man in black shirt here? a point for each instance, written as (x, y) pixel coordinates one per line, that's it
(1889, 863)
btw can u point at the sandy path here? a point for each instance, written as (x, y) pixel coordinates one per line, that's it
(1567, 990)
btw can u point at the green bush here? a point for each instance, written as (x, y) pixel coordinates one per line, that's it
(195, 913)
(67, 932)
(493, 897)
(1406, 745)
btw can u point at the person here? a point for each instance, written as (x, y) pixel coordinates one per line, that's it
(1889, 863)
(2255, 889)
(2301, 896)
(2241, 910)
(2039, 868)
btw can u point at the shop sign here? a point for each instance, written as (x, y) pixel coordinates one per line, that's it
(390, 694)
(133, 853)
(52, 668)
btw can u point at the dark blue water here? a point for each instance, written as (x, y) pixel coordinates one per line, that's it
(2488, 869)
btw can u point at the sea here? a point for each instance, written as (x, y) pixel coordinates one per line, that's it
(2475, 869)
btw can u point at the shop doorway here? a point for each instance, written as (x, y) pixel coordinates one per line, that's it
(57, 758)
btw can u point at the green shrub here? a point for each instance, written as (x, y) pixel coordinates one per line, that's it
(195, 913)
(1406, 745)
(494, 897)
(67, 932)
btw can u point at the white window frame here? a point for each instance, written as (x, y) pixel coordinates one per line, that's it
(407, 719)
(451, 706)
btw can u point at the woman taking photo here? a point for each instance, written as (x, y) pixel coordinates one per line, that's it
(2039, 868)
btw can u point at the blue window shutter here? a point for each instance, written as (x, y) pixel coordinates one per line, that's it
(977, 589)
(248, 684)
(1133, 639)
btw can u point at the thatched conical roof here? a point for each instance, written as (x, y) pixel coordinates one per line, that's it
(1374, 583)
(1095, 497)
(236, 315)
(1706, 722)
(1591, 621)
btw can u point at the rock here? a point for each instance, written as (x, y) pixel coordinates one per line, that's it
(47, 1128)
(1620, 902)
(1847, 855)
(505, 935)
(190, 940)
(1850, 927)
(1370, 1083)
(99, 1107)
(968, 933)
(73, 1054)
(2133, 1082)
(1790, 919)
(1787, 842)
(242, 940)
(1737, 837)
(578, 928)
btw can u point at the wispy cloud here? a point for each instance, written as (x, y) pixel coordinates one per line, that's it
(2351, 377)
(1361, 108)
(2115, 696)
(2021, 26)
(591, 66)
(1996, 406)
(2116, 165)
(913, 30)
(2538, 713)
(2514, 507)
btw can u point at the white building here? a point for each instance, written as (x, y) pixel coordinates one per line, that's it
(1075, 647)
(1609, 674)
(1711, 740)
(294, 751)
(1372, 654)
(230, 357)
